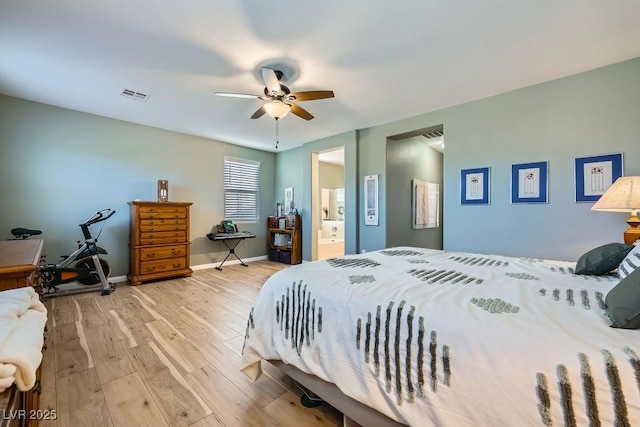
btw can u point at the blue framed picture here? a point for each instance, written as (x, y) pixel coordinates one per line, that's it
(474, 186)
(594, 175)
(529, 182)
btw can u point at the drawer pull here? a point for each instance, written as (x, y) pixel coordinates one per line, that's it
(151, 255)
(176, 252)
(150, 268)
(176, 264)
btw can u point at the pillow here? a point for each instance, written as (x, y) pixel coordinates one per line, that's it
(631, 262)
(623, 302)
(602, 259)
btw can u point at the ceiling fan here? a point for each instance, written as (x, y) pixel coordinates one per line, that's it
(281, 99)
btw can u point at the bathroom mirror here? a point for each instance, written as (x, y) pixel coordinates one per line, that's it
(332, 204)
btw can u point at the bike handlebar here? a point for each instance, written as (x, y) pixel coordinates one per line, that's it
(99, 216)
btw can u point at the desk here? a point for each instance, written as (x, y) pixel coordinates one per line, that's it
(226, 237)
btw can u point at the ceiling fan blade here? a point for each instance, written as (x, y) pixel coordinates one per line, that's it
(300, 112)
(271, 81)
(259, 113)
(238, 95)
(310, 95)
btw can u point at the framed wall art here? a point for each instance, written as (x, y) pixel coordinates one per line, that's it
(288, 200)
(529, 183)
(594, 175)
(425, 200)
(474, 186)
(371, 200)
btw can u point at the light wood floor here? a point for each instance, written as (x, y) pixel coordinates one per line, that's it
(166, 354)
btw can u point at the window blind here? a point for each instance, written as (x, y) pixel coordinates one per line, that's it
(241, 189)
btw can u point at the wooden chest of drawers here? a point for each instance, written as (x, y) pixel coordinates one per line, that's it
(158, 241)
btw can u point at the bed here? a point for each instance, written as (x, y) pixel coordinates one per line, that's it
(428, 337)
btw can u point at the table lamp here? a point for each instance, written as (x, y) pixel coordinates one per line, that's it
(623, 196)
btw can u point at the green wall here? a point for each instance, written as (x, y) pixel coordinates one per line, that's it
(591, 113)
(290, 166)
(294, 170)
(58, 166)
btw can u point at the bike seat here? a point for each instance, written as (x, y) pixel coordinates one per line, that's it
(25, 232)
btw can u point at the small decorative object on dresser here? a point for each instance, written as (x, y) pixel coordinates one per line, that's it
(159, 245)
(163, 190)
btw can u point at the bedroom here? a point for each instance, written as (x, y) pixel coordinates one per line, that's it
(59, 165)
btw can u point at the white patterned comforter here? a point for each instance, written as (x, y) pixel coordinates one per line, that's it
(453, 339)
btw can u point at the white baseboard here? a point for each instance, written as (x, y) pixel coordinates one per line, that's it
(228, 262)
(120, 279)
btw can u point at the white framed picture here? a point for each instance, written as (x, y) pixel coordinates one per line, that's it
(529, 183)
(371, 200)
(595, 174)
(288, 199)
(474, 186)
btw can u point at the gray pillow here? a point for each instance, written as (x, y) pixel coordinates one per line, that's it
(602, 259)
(623, 302)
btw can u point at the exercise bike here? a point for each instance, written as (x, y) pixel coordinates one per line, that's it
(83, 266)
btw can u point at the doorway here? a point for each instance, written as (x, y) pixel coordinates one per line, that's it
(329, 205)
(414, 158)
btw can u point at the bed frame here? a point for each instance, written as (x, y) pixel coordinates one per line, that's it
(351, 408)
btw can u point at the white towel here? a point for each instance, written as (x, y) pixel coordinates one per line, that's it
(22, 321)
(7, 376)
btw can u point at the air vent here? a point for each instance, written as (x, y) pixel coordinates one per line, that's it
(436, 134)
(138, 96)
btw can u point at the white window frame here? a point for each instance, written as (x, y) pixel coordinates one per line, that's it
(241, 182)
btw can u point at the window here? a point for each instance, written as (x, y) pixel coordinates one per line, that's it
(241, 185)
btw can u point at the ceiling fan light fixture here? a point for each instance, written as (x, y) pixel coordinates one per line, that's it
(277, 109)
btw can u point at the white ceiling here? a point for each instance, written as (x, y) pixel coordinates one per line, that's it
(384, 60)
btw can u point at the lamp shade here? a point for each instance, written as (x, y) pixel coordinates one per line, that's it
(277, 109)
(622, 196)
